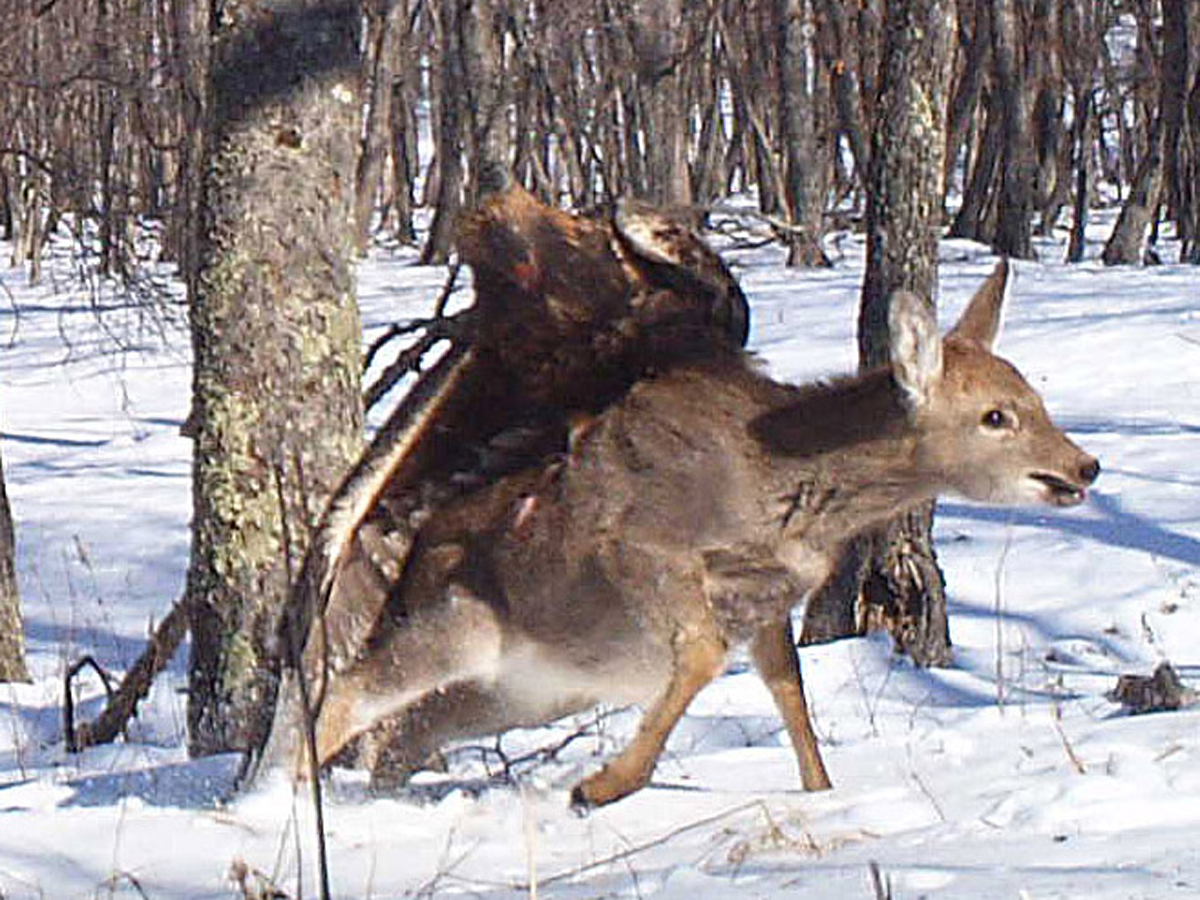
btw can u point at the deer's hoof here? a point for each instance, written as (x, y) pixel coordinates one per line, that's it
(581, 803)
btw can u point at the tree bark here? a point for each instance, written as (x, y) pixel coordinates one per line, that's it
(1127, 241)
(657, 31)
(452, 75)
(975, 53)
(1176, 76)
(276, 414)
(1014, 224)
(1125, 245)
(387, 18)
(12, 634)
(804, 162)
(892, 577)
(1082, 31)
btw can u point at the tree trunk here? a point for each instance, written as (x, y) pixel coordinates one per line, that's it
(403, 122)
(387, 19)
(452, 75)
(276, 413)
(1176, 75)
(657, 32)
(1014, 224)
(973, 44)
(12, 634)
(191, 69)
(842, 57)
(1127, 240)
(1082, 31)
(804, 162)
(892, 576)
(1126, 243)
(972, 219)
(1082, 134)
(1190, 201)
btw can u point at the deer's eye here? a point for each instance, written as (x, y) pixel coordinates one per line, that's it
(995, 418)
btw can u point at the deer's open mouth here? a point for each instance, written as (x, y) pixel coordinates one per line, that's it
(1058, 491)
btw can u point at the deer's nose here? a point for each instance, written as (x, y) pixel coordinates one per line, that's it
(1089, 471)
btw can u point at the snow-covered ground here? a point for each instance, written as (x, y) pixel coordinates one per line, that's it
(1007, 776)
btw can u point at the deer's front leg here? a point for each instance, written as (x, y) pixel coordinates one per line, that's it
(697, 661)
(774, 652)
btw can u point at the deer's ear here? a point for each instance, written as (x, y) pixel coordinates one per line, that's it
(981, 320)
(916, 346)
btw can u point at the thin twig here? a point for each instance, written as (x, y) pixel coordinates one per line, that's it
(1076, 762)
(881, 884)
(307, 710)
(401, 328)
(999, 614)
(452, 328)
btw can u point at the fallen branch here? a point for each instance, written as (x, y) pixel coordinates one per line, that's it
(122, 703)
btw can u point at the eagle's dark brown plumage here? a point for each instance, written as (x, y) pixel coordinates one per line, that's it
(569, 313)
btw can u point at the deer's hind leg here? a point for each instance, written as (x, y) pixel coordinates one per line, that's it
(458, 640)
(774, 653)
(698, 659)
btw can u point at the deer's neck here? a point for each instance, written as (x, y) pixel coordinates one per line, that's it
(847, 454)
(841, 494)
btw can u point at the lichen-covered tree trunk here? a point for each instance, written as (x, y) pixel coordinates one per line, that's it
(891, 578)
(12, 635)
(276, 414)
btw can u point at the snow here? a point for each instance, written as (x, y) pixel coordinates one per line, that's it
(1009, 775)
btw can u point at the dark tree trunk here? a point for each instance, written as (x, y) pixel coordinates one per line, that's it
(1082, 134)
(12, 633)
(387, 18)
(403, 122)
(973, 47)
(1177, 70)
(972, 219)
(892, 576)
(191, 67)
(1127, 240)
(1190, 195)
(488, 99)
(804, 164)
(276, 413)
(1126, 243)
(843, 61)
(1014, 223)
(1043, 62)
(658, 31)
(452, 75)
(1082, 30)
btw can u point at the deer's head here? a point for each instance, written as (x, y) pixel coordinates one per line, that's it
(982, 431)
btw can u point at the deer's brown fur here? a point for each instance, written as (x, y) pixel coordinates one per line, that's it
(688, 519)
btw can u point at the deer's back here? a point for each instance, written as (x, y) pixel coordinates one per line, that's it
(600, 554)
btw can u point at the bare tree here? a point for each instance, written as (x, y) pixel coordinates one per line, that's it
(12, 640)
(1138, 213)
(801, 92)
(893, 578)
(276, 413)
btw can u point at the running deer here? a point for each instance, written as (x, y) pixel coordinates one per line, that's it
(686, 520)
